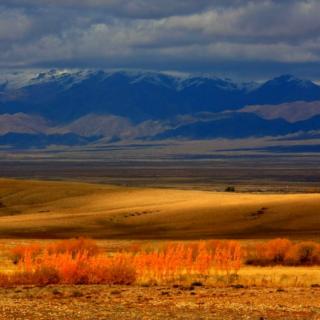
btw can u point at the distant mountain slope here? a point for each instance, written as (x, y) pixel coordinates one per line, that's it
(63, 96)
(113, 126)
(138, 96)
(285, 88)
(291, 112)
(232, 126)
(235, 125)
(22, 123)
(79, 106)
(26, 141)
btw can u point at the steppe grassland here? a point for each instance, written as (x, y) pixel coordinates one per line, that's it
(42, 209)
(33, 209)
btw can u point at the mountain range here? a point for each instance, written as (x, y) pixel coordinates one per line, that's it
(81, 107)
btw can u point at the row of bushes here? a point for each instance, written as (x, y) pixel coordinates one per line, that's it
(284, 252)
(72, 247)
(67, 269)
(81, 262)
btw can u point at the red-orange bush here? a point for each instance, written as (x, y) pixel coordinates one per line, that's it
(81, 262)
(228, 256)
(65, 268)
(20, 251)
(270, 253)
(284, 252)
(195, 258)
(72, 246)
(304, 253)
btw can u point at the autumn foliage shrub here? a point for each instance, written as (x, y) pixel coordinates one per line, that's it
(284, 252)
(19, 252)
(65, 268)
(228, 256)
(305, 253)
(79, 261)
(269, 253)
(181, 259)
(72, 246)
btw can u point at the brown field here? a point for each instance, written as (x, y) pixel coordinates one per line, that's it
(40, 209)
(271, 174)
(158, 303)
(118, 216)
(258, 293)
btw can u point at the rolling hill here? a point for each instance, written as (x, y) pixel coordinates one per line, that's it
(40, 209)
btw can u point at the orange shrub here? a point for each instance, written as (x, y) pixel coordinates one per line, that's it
(79, 261)
(195, 258)
(4, 280)
(228, 257)
(304, 253)
(120, 270)
(74, 247)
(65, 268)
(20, 251)
(284, 252)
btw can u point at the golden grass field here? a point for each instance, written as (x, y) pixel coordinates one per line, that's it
(42, 209)
(119, 216)
(258, 293)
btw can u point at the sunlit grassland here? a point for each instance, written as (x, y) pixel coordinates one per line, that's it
(42, 209)
(276, 276)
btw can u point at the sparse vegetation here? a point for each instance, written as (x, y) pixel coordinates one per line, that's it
(81, 261)
(284, 252)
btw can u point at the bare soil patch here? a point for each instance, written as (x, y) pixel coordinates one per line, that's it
(167, 302)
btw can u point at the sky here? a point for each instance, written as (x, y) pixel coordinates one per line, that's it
(243, 39)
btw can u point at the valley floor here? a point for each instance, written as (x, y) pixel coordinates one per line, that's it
(102, 302)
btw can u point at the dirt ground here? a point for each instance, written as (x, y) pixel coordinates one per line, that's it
(158, 302)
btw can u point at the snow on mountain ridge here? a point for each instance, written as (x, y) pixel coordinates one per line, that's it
(68, 77)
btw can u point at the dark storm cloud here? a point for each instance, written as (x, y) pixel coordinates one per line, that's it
(123, 8)
(189, 35)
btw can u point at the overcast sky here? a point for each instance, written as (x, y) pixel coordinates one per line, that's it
(233, 38)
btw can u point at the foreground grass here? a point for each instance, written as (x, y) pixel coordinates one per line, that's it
(278, 292)
(158, 302)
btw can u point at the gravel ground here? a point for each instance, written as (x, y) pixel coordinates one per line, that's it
(174, 302)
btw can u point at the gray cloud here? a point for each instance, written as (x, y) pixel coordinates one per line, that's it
(123, 8)
(161, 34)
(14, 25)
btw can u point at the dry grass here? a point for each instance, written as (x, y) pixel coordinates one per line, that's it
(31, 210)
(253, 293)
(158, 303)
(214, 263)
(81, 261)
(279, 276)
(39, 209)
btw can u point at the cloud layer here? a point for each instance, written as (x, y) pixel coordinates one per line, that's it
(240, 37)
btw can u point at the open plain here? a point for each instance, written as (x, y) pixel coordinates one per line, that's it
(38, 211)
